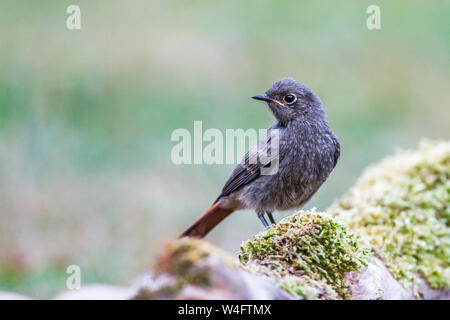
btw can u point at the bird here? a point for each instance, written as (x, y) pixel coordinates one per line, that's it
(282, 175)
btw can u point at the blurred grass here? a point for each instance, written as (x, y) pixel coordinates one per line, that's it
(86, 116)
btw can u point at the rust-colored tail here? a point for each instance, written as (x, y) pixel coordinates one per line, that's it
(207, 221)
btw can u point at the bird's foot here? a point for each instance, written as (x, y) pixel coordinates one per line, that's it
(272, 220)
(263, 220)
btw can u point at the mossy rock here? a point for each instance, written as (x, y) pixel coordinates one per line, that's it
(400, 208)
(309, 254)
(193, 269)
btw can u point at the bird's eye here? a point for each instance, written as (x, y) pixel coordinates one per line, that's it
(290, 98)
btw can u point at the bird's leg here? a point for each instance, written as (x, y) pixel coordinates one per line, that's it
(272, 220)
(263, 220)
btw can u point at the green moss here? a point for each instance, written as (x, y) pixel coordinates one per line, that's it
(309, 253)
(401, 208)
(308, 288)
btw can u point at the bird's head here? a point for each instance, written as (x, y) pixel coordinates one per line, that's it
(289, 99)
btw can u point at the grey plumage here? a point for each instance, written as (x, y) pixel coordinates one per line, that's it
(308, 152)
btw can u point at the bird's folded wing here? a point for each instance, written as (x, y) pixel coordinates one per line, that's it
(261, 156)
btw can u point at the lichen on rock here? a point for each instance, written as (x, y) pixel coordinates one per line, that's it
(194, 269)
(308, 254)
(186, 262)
(400, 207)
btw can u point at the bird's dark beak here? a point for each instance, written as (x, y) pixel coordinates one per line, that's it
(263, 97)
(266, 98)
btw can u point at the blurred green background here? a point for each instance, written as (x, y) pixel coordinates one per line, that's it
(86, 116)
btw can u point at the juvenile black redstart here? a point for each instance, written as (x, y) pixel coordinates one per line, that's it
(306, 153)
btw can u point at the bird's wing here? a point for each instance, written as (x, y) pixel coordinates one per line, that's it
(261, 156)
(242, 174)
